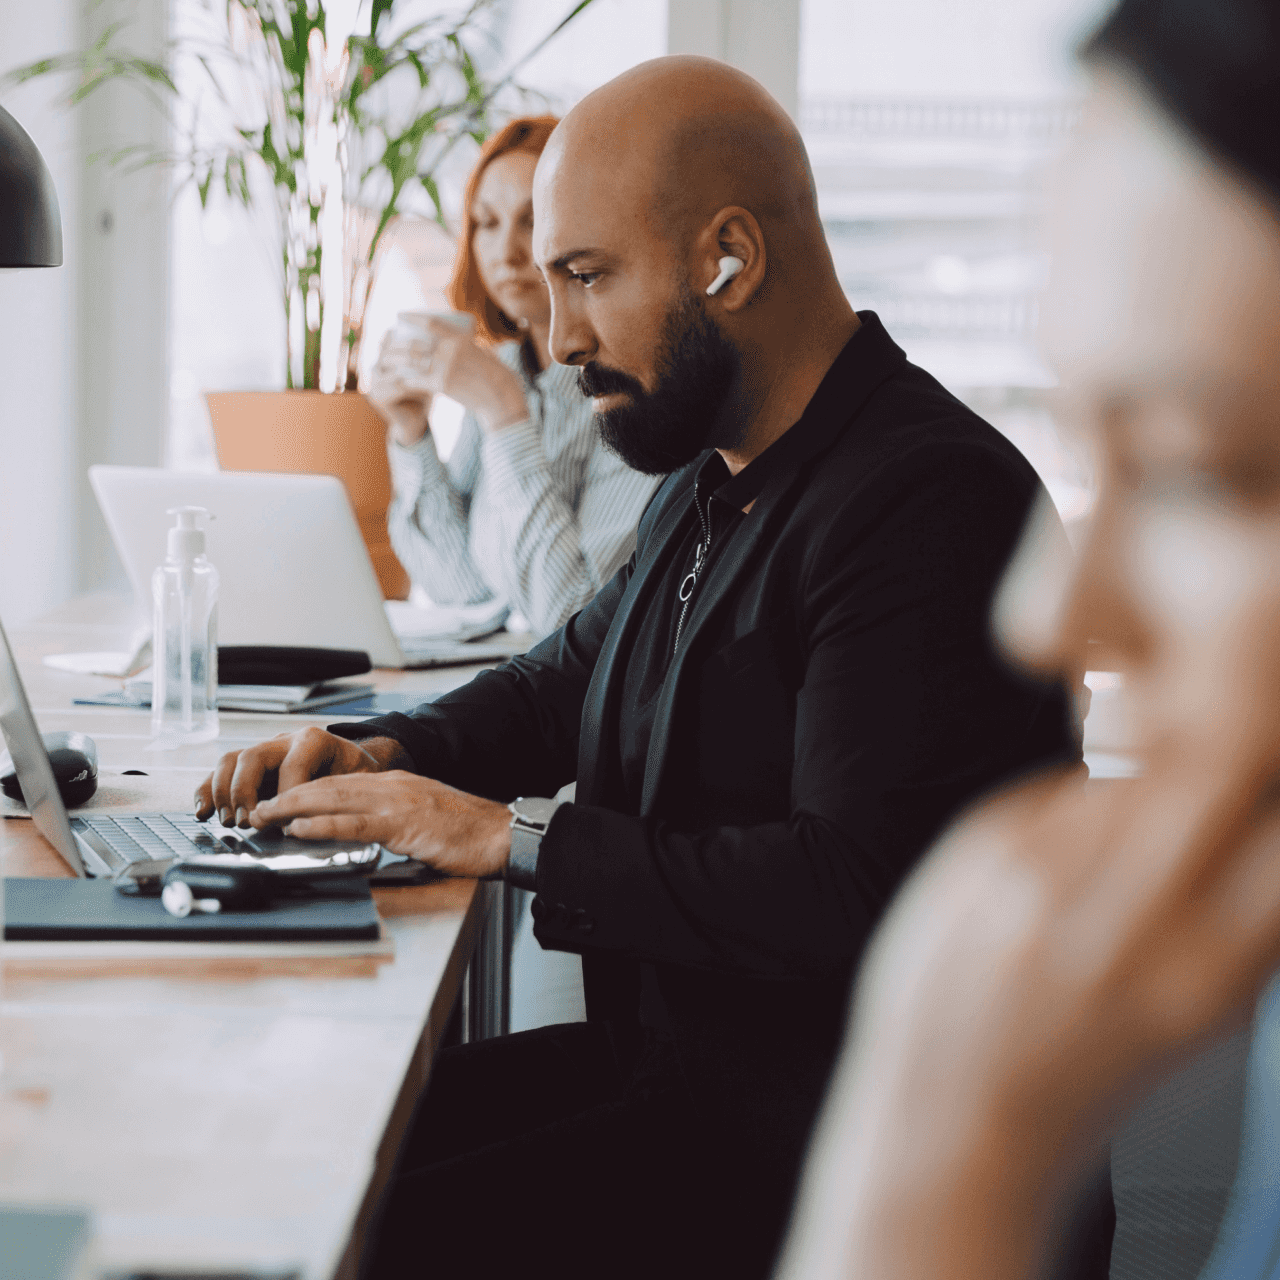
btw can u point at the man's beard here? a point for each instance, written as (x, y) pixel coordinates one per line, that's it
(690, 409)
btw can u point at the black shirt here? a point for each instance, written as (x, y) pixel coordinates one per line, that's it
(715, 518)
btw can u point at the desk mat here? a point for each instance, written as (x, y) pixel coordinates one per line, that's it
(91, 910)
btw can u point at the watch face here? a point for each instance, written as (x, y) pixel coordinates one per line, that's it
(534, 811)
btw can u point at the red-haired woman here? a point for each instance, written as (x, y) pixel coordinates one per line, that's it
(530, 507)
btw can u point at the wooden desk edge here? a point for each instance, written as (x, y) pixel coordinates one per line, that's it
(418, 1073)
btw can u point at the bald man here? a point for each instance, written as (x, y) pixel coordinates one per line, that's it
(769, 712)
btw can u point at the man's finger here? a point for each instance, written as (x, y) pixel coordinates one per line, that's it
(204, 800)
(221, 786)
(337, 826)
(310, 754)
(245, 781)
(344, 793)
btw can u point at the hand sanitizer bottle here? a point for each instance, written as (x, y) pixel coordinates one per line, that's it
(184, 672)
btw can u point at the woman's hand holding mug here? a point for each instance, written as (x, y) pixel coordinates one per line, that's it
(435, 353)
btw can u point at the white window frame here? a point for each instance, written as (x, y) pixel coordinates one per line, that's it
(760, 37)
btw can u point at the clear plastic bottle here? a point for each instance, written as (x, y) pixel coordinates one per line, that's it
(184, 672)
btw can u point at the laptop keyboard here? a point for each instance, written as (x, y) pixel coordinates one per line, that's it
(147, 836)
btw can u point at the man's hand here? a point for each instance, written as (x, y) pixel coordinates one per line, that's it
(457, 833)
(242, 778)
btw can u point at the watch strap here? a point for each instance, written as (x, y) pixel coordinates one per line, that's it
(530, 818)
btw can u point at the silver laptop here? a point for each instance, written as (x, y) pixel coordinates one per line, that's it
(292, 566)
(106, 843)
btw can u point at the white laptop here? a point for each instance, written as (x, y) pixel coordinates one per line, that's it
(292, 566)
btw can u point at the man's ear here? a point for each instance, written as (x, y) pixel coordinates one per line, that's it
(733, 233)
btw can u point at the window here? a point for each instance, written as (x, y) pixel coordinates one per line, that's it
(227, 326)
(930, 125)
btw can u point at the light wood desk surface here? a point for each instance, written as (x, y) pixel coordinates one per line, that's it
(243, 1118)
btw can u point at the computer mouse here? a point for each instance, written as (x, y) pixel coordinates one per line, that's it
(74, 757)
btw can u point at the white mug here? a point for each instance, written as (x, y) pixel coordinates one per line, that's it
(411, 326)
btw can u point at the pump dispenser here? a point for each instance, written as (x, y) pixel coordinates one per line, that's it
(184, 681)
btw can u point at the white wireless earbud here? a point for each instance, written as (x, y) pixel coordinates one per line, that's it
(729, 267)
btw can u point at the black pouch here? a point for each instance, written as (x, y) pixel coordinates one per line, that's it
(287, 664)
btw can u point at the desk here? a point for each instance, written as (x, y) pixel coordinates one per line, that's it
(239, 1120)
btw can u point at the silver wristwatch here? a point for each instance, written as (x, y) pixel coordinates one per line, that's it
(530, 818)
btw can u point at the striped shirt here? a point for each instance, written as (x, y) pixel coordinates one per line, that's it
(539, 514)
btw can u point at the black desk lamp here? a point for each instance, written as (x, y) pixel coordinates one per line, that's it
(30, 224)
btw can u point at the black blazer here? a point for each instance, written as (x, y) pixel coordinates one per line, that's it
(835, 701)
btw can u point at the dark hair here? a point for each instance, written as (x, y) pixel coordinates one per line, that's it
(466, 290)
(1214, 66)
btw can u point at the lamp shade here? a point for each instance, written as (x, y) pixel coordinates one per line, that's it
(30, 224)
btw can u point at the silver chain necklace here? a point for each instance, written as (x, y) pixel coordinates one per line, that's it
(691, 578)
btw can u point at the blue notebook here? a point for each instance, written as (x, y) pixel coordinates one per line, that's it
(92, 911)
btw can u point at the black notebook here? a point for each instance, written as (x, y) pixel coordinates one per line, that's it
(92, 911)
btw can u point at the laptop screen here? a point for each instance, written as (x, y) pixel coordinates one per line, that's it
(35, 774)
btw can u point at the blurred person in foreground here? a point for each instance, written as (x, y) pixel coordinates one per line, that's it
(1068, 943)
(530, 507)
(770, 711)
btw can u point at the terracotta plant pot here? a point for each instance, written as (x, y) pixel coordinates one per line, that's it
(312, 433)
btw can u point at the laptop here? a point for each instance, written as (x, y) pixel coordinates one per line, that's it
(293, 568)
(107, 843)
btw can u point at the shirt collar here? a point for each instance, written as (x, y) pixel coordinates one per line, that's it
(713, 479)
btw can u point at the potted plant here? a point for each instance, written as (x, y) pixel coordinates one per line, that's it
(341, 130)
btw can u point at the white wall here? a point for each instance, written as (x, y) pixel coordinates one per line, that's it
(38, 346)
(83, 346)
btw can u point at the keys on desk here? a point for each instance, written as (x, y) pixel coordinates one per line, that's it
(152, 836)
